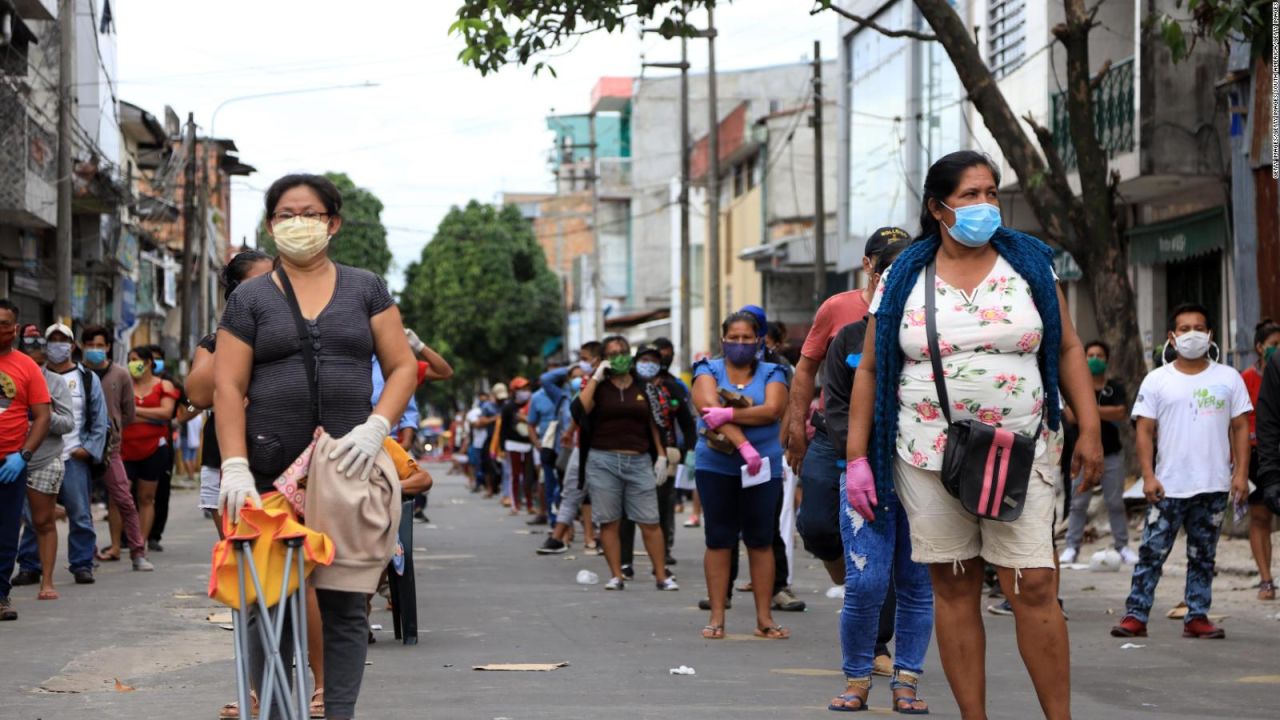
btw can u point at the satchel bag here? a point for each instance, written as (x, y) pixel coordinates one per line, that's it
(986, 468)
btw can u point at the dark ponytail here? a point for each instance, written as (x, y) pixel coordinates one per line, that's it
(234, 271)
(942, 179)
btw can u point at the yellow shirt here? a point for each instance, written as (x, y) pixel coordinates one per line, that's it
(405, 464)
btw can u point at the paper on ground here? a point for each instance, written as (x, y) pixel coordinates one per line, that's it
(521, 667)
(683, 670)
(760, 478)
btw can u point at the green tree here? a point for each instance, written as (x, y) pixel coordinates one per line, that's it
(362, 241)
(1086, 225)
(1220, 21)
(482, 295)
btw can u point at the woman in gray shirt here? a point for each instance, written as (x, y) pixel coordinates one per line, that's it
(264, 403)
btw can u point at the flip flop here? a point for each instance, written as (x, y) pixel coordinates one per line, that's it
(846, 699)
(104, 557)
(316, 709)
(713, 632)
(777, 632)
(47, 594)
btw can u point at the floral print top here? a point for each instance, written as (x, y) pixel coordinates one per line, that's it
(989, 340)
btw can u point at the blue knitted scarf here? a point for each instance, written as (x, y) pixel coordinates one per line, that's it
(1032, 259)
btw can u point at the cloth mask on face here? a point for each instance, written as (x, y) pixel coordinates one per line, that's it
(975, 224)
(522, 396)
(1192, 345)
(95, 356)
(647, 369)
(739, 354)
(587, 367)
(620, 364)
(1097, 365)
(136, 367)
(300, 238)
(1267, 352)
(58, 352)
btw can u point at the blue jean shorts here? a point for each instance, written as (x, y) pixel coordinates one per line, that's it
(619, 482)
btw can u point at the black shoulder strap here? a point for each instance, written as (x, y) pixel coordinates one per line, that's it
(931, 331)
(305, 342)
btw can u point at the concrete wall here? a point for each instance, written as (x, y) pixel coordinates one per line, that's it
(740, 284)
(655, 138)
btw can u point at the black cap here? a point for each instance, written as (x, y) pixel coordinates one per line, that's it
(647, 350)
(883, 238)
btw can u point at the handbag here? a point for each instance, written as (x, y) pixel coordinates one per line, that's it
(986, 468)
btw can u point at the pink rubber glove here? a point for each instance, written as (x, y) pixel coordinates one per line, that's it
(860, 488)
(750, 456)
(714, 417)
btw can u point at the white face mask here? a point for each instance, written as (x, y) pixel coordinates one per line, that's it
(300, 238)
(1192, 345)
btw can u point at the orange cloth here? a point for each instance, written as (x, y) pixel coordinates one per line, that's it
(267, 526)
(405, 464)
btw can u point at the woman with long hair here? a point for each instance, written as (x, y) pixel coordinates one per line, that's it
(144, 441)
(1005, 344)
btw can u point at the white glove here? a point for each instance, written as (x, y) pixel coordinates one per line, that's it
(601, 370)
(237, 488)
(360, 447)
(415, 343)
(660, 470)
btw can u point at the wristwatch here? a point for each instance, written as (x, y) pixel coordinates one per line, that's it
(26, 455)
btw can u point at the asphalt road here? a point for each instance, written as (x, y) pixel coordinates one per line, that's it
(485, 597)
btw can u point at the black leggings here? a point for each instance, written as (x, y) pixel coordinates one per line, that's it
(346, 643)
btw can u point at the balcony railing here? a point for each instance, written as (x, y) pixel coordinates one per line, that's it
(1113, 114)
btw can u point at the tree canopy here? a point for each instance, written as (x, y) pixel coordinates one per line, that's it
(362, 241)
(482, 295)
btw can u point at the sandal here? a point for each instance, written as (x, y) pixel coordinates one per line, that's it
(231, 711)
(104, 556)
(317, 704)
(1267, 590)
(776, 632)
(906, 704)
(713, 632)
(856, 691)
(47, 594)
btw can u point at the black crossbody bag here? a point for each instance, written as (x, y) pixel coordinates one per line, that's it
(306, 343)
(986, 468)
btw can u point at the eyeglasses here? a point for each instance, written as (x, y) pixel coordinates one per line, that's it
(308, 215)
(33, 341)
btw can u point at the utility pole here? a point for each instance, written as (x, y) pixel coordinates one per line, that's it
(66, 67)
(597, 283)
(202, 216)
(819, 211)
(685, 338)
(189, 192)
(713, 189)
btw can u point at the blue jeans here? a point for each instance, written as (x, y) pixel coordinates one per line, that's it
(818, 521)
(552, 481)
(81, 539)
(1201, 515)
(875, 552)
(13, 498)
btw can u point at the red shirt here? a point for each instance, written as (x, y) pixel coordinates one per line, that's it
(141, 438)
(1252, 383)
(21, 386)
(836, 312)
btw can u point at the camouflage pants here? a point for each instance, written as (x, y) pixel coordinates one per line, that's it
(1201, 516)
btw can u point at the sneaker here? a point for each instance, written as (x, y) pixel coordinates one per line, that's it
(615, 584)
(705, 604)
(141, 564)
(628, 572)
(668, 585)
(26, 577)
(693, 521)
(1069, 555)
(154, 546)
(1129, 627)
(1128, 556)
(786, 601)
(1003, 608)
(6, 610)
(83, 577)
(552, 547)
(1201, 627)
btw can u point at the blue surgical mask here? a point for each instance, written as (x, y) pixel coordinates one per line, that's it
(647, 369)
(159, 367)
(95, 357)
(975, 224)
(576, 385)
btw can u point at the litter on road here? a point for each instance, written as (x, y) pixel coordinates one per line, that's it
(521, 667)
(683, 670)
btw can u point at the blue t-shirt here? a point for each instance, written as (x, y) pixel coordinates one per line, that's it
(764, 438)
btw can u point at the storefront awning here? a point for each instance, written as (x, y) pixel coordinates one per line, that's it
(1178, 239)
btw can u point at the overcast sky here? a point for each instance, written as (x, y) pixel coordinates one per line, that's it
(433, 133)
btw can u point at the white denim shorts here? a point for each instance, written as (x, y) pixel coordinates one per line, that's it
(943, 532)
(210, 485)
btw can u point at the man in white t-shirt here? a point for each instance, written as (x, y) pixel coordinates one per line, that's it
(1196, 412)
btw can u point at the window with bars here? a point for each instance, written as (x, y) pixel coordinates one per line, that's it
(1006, 35)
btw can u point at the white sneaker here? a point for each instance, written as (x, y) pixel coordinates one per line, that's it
(615, 584)
(1068, 555)
(1128, 556)
(669, 584)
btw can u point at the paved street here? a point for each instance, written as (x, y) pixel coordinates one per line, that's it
(485, 597)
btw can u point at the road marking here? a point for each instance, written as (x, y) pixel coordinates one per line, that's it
(1261, 679)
